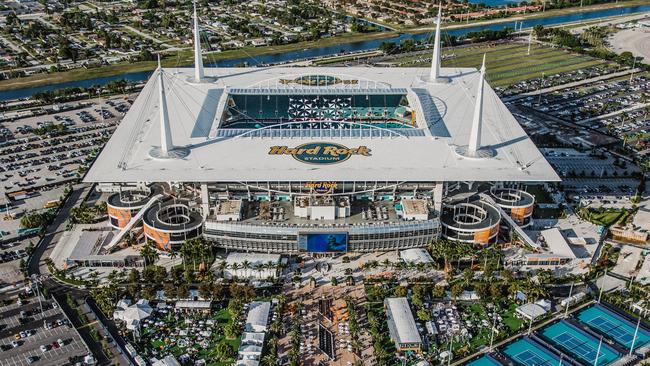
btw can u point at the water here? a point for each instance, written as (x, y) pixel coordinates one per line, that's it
(496, 2)
(330, 50)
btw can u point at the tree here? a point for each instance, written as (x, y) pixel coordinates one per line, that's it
(269, 360)
(438, 291)
(149, 254)
(224, 351)
(456, 290)
(423, 315)
(231, 331)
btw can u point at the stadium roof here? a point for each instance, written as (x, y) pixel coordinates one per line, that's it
(426, 152)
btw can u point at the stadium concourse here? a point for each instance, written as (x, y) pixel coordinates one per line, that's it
(281, 159)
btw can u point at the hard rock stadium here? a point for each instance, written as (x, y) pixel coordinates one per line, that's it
(289, 159)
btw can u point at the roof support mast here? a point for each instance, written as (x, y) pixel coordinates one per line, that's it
(475, 136)
(198, 60)
(167, 150)
(435, 60)
(165, 131)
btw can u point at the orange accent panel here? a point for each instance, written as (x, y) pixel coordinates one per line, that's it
(483, 236)
(519, 213)
(160, 238)
(123, 216)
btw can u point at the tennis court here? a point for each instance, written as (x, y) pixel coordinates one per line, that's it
(484, 361)
(613, 326)
(526, 352)
(579, 344)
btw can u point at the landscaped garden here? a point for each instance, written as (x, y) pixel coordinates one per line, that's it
(189, 337)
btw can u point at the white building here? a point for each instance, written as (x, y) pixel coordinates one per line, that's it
(415, 256)
(401, 325)
(251, 265)
(531, 311)
(258, 316)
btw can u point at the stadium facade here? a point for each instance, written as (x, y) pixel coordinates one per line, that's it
(287, 159)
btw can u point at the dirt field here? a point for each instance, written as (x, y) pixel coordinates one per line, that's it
(635, 40)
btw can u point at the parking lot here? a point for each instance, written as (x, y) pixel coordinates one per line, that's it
(41, 153)
(53, 346)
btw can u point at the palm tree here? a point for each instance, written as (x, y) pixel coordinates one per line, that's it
(222, 267)
(269, 360)
(246, 265)
(173, 255)
(149, 254)
(234, 267)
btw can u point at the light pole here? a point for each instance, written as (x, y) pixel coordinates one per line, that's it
(38, 293)
(568, 300)
(541, 85)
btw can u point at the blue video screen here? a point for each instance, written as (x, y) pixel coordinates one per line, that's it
(323, 242)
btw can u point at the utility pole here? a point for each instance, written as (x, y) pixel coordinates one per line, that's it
(530, 41)
(633, 66)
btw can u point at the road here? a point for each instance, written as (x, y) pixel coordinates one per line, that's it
(36, 264)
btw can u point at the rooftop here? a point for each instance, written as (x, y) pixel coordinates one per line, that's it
(416, 255)
(414, 206)
(401, 322)
(557, 244)
(258, 315)
(230, 207)
(423, 151)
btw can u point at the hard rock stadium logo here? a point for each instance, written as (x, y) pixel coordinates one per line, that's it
(320, 152)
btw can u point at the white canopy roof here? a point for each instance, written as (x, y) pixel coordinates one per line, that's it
(426, 153)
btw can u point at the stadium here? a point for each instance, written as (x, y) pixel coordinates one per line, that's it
(289, 159)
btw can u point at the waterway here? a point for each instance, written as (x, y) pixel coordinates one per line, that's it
(340, 48)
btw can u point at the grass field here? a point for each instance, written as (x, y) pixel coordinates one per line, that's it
(509, 63)
(604, 217)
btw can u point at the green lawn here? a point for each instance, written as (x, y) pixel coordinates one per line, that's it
(508, 63)
(510, 320)
(604, 217)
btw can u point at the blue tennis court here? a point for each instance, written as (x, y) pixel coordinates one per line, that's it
(484, 361)
(611, 325)
(579, 344)
(526, 352)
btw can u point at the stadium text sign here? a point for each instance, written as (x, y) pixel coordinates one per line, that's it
(320, 152)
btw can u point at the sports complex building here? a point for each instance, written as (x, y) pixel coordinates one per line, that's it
(287, 159)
